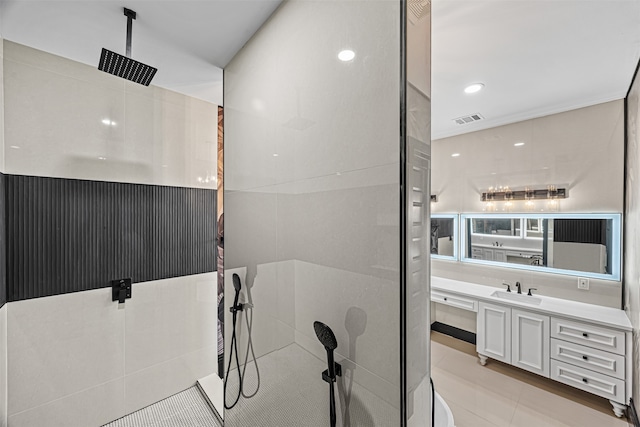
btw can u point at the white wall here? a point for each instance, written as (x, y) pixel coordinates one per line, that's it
(326, 207)
(632, 229)
(79, 359)
(581, 150)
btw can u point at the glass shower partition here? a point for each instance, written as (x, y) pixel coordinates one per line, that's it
(327, 218)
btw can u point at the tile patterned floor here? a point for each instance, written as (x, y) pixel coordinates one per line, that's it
(499, 395)
(185, 409)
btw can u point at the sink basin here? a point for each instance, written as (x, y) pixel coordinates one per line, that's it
(515, 297)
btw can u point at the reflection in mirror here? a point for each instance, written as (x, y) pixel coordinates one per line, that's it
(444, 236)
(576, 244)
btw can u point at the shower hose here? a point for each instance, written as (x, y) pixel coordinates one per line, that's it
(234, 349)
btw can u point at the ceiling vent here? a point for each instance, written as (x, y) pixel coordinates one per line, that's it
(471, 118)
(418, 9)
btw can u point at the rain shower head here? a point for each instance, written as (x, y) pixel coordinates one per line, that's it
(124, 66)
(325, 335)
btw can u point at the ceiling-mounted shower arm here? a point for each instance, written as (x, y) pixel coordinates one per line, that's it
(131, 15)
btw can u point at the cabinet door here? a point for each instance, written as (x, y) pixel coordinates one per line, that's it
(487, 254)
(499, 255)
(530, 339)
(494, 331)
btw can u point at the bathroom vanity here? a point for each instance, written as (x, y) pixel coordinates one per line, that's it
(582, 345)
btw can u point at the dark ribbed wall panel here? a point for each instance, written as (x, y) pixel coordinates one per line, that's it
(3, 251)
(580, 230)
(67, 235)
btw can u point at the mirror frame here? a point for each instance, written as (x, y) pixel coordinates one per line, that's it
(616, 243)
(456, 237)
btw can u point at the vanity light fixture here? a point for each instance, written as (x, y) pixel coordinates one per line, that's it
(473, 88)
(529, 194)
(346, 55)
(434, 198)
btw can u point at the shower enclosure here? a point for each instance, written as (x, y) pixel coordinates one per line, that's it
(327, 163)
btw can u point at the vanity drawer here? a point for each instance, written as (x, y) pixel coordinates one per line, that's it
(589, 335)
(589, 358)
(584, 379)
(454, 300)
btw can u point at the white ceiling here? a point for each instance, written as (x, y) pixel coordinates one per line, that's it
(535, 58)
(189, 41)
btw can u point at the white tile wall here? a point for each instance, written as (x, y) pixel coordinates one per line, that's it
(77, 358)
(364, 313)
(94, 406)
(54, 112)
(61, 345)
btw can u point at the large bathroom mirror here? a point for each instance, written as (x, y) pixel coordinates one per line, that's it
(585, 245)
(444, 236)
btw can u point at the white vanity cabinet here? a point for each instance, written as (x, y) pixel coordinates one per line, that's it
(530, 338)
(583, 345)
(591, 358)
(493, 337)
(514, 336)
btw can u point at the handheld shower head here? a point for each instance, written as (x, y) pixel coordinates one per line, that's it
(328, 340)
(237, 285)
(325, 335)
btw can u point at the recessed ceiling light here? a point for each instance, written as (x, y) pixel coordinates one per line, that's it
(106, 122)
(275, 154)
(518, 144)
(102, 158)
(455, 155)
(476, 87)
(15, 147)
(346, 55)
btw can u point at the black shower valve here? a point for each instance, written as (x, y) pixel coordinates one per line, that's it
(120, 290)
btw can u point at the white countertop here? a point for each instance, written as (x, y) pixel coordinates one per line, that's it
(506, 248)
(591, 313)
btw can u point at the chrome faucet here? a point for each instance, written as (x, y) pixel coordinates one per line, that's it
(519, 286)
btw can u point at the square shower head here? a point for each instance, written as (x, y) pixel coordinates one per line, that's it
(127, 68)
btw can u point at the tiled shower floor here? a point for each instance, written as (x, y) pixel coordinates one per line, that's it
(185, 409)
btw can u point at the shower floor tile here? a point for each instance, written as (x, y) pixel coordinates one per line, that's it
(185, 409)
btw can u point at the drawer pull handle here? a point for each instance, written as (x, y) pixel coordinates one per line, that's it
(585, 358)
(445, 298)
(586, 335)
(584, 380)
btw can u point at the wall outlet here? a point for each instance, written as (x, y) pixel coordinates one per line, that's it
(583, 283)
